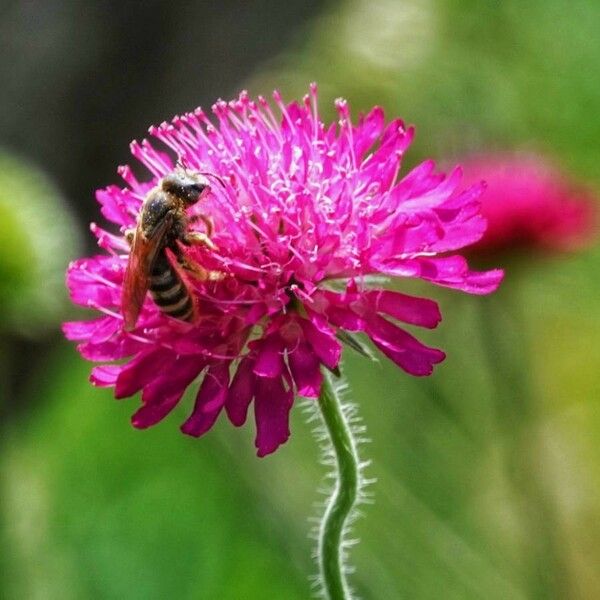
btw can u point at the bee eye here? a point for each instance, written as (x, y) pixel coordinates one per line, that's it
(189, 191)
(194, 191)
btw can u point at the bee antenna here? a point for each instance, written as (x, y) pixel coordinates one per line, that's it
(185, 166)
(182, 163)
(214, 176)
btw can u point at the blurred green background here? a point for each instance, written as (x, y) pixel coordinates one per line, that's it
(488, 472)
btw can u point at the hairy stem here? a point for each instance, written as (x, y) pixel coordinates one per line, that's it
(339, 506)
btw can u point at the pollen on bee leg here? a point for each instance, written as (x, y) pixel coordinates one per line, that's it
(200, 273)
(195, 270)
(200, 239)
(216, 276)
(129, 235)
(208, 223)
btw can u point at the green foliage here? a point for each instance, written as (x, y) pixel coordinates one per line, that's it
(38, 236)
(96, 509)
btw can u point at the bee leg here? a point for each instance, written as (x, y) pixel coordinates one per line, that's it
(194, 269)
(199, 239)
(129, 233)
(208, 223)
(200, 273)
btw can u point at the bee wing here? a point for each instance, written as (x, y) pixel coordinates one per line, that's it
(142, 255)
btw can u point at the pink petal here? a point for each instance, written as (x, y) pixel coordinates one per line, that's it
(117, 347)
(305, 368)
(417, 364)
(479, 282)
(272, 407)
(101, 329)
(453, 271)
(105, 375)
(417, 182)
(439, 190)
(408, 234)
(241, 392)
(401, 347)
(209, 402)
(162, 395)
(410, 309)
(449, 271)
(107, 240)
(341, 315)
(114, 203)
(269, 362)
(323, 342)
(140, 371)
(462, 220)
(95, 281)
(368, 130)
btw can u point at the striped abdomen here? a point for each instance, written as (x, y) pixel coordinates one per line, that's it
(169, 292)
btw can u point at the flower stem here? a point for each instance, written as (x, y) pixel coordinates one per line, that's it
(339, 506)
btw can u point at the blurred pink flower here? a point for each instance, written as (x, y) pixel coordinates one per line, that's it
(529, 203)
(306, 215)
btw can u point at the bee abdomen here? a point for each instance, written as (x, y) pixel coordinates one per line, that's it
(169, 292)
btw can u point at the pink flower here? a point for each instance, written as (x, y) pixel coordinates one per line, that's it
(307, 214)
(529, 203)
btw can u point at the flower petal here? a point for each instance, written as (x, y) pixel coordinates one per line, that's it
(305, 368)
(99, 329)
(448, 271)
(271, 411)
(269, 362)
(116, 347)
(401, 347)
(96, 281)
(241, 392)
(117, 205)
(162, 395)
(105, 375)
(140, 371)
(209, 402)
(410, 309)
(369, 129)
(322, 341)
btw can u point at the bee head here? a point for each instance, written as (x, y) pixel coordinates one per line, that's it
(186, 187)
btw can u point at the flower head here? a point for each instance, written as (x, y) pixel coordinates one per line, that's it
(529, 203)
(306, 214)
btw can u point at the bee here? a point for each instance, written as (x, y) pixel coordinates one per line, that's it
(163, 225)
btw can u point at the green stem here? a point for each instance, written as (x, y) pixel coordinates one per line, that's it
(344, 496)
